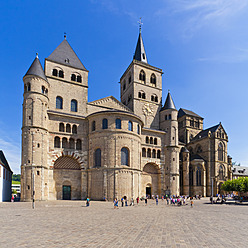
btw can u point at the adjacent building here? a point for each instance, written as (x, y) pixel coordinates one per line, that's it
(108, 148)
(5, 179)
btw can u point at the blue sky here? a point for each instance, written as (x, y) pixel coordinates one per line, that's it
(201, 45)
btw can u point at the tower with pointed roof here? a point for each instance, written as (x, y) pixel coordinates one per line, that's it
(34, 132)
(141, 87)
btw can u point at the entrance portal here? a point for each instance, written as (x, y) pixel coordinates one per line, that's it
(149, 192)
(66, 192)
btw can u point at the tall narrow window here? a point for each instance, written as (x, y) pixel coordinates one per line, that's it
(97, 158)
(155, 141)
(158, 154)
(64, 143)
(79, 79)
(118, 123)
(28, 87)
(130, 79)
(149, 153)
(144, 95)
(220, 152)
(221, 172)
(61, 74)
(74, 129)
(79, 144)
(104, 124)
(124, 86)
(124, 156)
(73, 77)
(153, 79)
(154, 153)
(61, 127)
(147, 140)
(59, 102)
(191, 175)
(139, 94)
(151, 140)
(74, 105)
(71, 143)
(43, 90)
(198, 176)
(57, 142)
(68, 128)
(142, 76)
(55, 72)
(93, 126)
(138, 129)
(130, 126)
(143, 152)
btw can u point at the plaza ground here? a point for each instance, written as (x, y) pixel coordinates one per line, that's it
(71, 224)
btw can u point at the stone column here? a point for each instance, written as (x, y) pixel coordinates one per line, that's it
(89, 184)
(204, 182)
(185, 155)
(83, 184)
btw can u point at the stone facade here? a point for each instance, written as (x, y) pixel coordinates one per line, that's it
(73, 149)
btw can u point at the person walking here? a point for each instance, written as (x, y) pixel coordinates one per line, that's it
(192, 203)
(156, 200)
(137, 199)
(146, 201)
(87, 202)
(122, 202)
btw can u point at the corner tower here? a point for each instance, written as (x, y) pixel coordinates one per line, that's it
(168, 123)
(141, 87)
(34, 169)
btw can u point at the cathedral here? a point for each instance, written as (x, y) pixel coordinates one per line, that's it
(109, 148)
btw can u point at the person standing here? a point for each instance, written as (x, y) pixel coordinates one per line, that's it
(122, 202)
(192, 203)
(146, 201)
(87, 202)
(156, 200)
(137, 199)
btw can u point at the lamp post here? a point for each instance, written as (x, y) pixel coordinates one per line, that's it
(212, 189)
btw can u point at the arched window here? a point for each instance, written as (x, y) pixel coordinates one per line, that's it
(142, 76)
(198, 176)
(199, 149)
(59, 102)
(79, 144)
(93, 126)
(220, 152)
(143, 95)
(139, 94)
(97, 158)
(74, 129)
(130, 126)
(153, 79)
(56, 142)
(147, 140)
(156, 99)
(68, 128)
(124, 86)
(169, 117)
(79, 79)
(74, 105)
(158, 154)
(43, 89)
(191, 175)
(61, 74)
(152, 98)
(221, 172)
(154, 153)
(143, 152)
(71, 143)
(104, 124)
(151, 140)
(28, 87)
(118, 123)
(155, 141)
(124, 156)
(149, 153)
(138, 129)
(61, 127)
(73, 77)
(55, 72)
(64, 143)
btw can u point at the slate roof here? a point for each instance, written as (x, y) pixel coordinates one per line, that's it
(36, 69)
(204, 133)
(169, 104)
(3, 161)
(183, 112)
(184, 149)
(140, 53)
(65, 55)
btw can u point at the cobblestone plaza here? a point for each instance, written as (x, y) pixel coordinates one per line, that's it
(71, 224)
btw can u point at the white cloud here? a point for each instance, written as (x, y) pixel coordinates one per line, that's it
(12, 153)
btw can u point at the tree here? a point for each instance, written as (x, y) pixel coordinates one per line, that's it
(240, 185)
(16, 177)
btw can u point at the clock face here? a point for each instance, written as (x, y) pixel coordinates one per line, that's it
(147, 109)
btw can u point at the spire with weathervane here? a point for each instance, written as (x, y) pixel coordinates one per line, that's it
(140, 53)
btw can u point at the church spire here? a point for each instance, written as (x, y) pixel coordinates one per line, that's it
(36, 69)
(140, 53)
(169, 104)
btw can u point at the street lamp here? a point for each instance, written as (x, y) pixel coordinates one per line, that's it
(212, 189)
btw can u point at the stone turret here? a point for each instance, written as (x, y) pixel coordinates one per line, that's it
(168, 123)
(34, 173)
(185, 161)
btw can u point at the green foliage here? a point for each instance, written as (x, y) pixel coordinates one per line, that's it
(240, 184)
(14, 191)
(16, 177)
(16, 182)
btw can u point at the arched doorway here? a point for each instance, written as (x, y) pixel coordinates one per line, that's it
(67, 178)
(151, 180)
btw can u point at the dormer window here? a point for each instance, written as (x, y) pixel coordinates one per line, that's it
(67, 61)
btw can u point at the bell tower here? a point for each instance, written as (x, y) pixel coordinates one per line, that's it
(141, 87)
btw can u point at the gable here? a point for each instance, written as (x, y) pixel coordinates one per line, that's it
(110, 102)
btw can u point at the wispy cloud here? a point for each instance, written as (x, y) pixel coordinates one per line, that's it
(12, 153)
(237, 55)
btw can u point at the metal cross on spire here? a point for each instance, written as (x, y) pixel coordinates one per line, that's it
(140, 24)
(65, 35)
